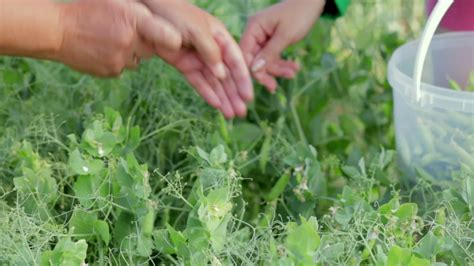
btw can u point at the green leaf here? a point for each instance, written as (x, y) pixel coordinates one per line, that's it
(415, 261)
(303, 240)
(245, 135)
(91, 190)
(428, 246)
(204, 155)
(398, 256)
(218, 155)
(81, 166)
(65, 253)
(88, 226)
(162, 242)
(179, 242)
(407, 211)
(101, 228)
(351, 172)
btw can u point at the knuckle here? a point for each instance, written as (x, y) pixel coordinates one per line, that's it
(115, 65)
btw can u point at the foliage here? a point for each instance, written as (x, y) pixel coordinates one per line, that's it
(137, 170)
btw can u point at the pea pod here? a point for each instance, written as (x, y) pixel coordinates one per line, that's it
(265, 150)
(148, 221)
(278, 188)
(440, 222)
(462, 154)
(223, 128)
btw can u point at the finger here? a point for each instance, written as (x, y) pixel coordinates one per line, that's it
(232, 92)
(209, 51)
(236, 64)
(282, 68)
(204, 89)
(226, 107)
(249, 44)
(272, 50)
(156, 30)
(266, 80)
(142, 49)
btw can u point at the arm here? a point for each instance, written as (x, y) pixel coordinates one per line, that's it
(97, 37)
(26, 32)
(270, 31)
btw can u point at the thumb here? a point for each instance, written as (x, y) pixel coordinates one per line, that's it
(270, 51)
(156, 30)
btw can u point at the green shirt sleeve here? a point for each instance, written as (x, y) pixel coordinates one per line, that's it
(342, 6)
(335, 8)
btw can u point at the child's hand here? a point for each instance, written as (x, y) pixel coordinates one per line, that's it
(208, 40)
(270, 31)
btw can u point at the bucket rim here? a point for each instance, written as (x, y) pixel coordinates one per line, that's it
(396, 77)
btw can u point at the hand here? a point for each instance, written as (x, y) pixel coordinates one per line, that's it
(104, 37)
(270, 31)
(221, 94)
(208, 45)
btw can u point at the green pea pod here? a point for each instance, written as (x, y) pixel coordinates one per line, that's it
(404, 150)
(440, 222)
(148, 222)
(265, 150)
(223, 128)
(278, 188)
(463, 155)
(267, 218)
(426, 136)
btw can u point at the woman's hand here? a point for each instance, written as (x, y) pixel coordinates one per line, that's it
(270, 31)
(104, 37)
(206, 40)
(222, 94)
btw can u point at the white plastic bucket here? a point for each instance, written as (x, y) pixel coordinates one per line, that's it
(434, 136)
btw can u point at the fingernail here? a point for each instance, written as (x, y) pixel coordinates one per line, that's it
(258, 65)
(219, 71)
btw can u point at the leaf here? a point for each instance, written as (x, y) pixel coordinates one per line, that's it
(428, 246)
(415, 261)
(86, 224)
(204, 155)
(102, 229)
(91, 190)
(398, 256)
(407, 211)
(218, 155)
(80, 166)
(303, 240)
(179, 242)
(351, 172)
(65, 253)
(162, 242)
(245, 135)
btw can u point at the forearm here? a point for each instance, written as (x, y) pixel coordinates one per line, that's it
(30, 28)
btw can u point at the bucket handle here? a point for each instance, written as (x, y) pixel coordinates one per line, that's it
(435, 18)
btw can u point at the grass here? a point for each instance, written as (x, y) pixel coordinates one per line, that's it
(314, 162)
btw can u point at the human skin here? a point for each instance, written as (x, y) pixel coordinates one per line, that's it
(96, 37)
(210, 59)
(104, 37)
(272, 30)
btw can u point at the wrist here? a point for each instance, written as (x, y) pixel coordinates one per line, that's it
(26, 32)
